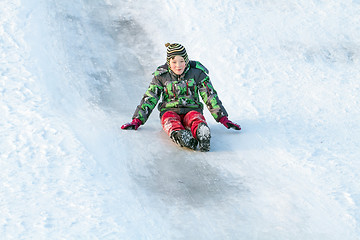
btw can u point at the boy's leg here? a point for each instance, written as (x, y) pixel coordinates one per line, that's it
(172, 125)
(171, 121)
(199, 129)
(192, 120)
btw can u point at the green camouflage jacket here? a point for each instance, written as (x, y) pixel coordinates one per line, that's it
(180, 93)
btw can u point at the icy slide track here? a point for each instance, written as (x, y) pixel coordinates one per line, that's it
(73, 71)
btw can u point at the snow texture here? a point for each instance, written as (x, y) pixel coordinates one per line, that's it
(72, 72)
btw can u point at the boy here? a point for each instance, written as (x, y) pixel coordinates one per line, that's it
(181, 82)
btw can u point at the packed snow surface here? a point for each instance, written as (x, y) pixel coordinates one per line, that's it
(72, 72)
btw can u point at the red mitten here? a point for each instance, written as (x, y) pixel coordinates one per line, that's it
(133, 125)
(229, 124)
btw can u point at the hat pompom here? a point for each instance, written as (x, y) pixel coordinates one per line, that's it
(167, 44)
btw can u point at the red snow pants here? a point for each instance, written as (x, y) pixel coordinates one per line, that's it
(172, 121)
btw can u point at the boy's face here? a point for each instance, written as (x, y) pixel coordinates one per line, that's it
(177, 65)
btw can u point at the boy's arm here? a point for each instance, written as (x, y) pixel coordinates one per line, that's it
(147, 104)
(211, 98)
(149, 101)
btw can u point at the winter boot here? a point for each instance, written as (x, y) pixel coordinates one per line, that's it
(203, 136)
(184, 138)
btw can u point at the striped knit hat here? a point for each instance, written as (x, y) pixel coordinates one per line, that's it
(175, 49)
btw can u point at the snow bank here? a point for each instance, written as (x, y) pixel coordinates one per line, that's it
(72, 72)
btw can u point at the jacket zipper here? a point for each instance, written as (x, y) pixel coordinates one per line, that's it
(173, 88)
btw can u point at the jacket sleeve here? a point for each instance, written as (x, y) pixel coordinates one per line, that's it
(149, 100)
(210, 97)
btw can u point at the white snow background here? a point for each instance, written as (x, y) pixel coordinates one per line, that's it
(72, 72)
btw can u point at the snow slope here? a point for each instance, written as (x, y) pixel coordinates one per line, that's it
(72, 72)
